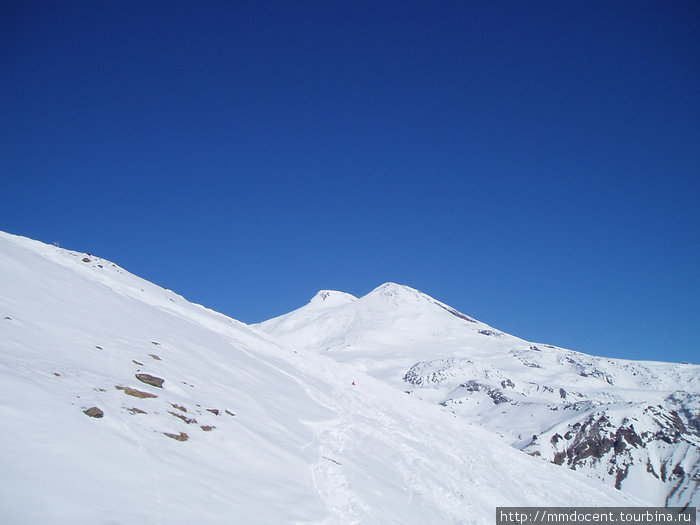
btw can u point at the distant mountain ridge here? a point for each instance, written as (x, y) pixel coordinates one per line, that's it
(631, 425)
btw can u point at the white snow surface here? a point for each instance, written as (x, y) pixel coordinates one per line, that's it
(649, 445)
(277, 433)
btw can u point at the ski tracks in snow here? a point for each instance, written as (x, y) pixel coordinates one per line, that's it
(411, 466)
(329, 475)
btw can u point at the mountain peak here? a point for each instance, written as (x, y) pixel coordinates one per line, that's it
(391, 289)
(332, 298)
(396, 292)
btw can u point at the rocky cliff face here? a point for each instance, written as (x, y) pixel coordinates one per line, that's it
(649, 449)
(657, 446)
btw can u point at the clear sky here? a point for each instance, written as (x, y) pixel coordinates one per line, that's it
(533, 164)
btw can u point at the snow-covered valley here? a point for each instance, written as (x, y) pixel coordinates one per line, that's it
(124, 403)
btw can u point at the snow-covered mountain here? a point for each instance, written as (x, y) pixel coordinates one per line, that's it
(124, 403)
(632, 425)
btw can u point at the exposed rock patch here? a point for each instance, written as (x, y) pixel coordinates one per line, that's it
(177, 437)
(183, 418)
(135, 393)
(94, 412)
(150, 380)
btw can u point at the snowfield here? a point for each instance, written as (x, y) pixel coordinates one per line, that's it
(631, 425)
(194, 417)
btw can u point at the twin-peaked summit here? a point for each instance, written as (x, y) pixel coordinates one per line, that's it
(390, 292)
(388, 308)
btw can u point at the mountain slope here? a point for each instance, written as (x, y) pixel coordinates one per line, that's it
(124, 403)
(631, 425)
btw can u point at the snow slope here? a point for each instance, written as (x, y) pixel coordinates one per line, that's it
(242, 429)
(631, 425)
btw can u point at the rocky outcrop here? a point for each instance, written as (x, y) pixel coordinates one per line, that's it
(612, 442)
(151, 380)
(182, 436)
(94, 412)
(134, 392)
(583, 420)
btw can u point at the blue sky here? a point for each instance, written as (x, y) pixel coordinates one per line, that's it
(533, 164)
